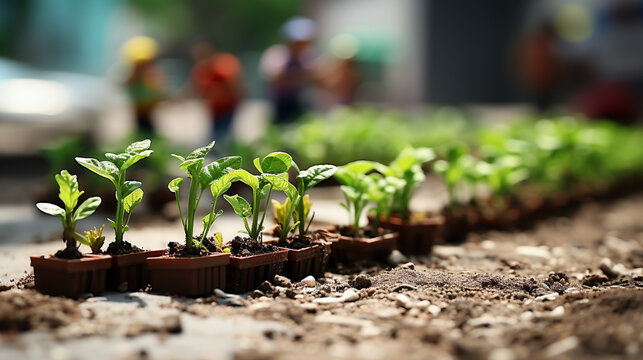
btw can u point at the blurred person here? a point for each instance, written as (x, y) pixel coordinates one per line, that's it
(216, 78)
(289, 69)
(146, 81)
(538, 65)
(341, 79)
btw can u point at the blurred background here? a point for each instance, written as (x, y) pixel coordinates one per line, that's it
(84, 77)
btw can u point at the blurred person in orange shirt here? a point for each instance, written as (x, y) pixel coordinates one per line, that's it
(216, 78)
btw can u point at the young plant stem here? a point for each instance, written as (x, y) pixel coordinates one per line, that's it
(120, 211)
(192, 202)
(211, 220)
(300, 208)
(264, 212)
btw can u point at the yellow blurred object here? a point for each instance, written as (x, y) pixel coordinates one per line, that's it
(344, 46)
(140, 48)
(574, 23)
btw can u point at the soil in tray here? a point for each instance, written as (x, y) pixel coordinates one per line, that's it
(123, 248)
(69, 254)
(365, 232)
(300, 242)
(243, 247)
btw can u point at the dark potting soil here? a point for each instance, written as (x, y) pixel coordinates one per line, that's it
(300, 242)
(180, 250)
(366, 232)
(68, 254)
(123, 248)
(246, 246)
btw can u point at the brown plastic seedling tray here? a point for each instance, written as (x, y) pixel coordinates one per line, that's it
(246, 273)
(307, 261)
(188, 276)
(416, 237)
(70, 278)
(129, 271)
(348, 250)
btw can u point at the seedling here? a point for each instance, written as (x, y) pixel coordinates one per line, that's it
(216, 176)
(380, 192)
(299, 206)
(95, 239)
(69, 194)
(355, 186)
(273, 176)
(407, 167)
(128, 193)
(457, 169)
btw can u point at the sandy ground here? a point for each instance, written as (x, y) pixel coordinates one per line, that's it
(568, 288)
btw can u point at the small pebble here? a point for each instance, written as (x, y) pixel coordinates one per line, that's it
(266, 287)
(281, 281)
(434, 310)
(396, 258)
(362, 282)
(403, 301)
(409, 265)
(350, 295)
(309, 281)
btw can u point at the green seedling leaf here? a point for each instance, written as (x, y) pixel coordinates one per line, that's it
(112, 224)
(181, 158)
(240, 205)
(128, 187)
(190, 166)
(216, 169)
(275, 163)
(201, 152)
(87, 208)
(280, 184)
(95, 239)
(118, 159)
(247, 178)
(257, 164)
(139, 146)
(222, 185)
(132, 200)
(316, 174)
(135, 158)
(175, 184)
(105, 169)
(51, 209)
(69, 193)
(208, 219)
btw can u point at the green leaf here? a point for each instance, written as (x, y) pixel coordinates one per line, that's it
(86, 208)
(280, 184)
(135, 158)
(206, 219)
(105, 169)
(132, 200)
(222, 185)
(275, 163)
(359, 167)
(201, 152)
(117, 159)
(257, 164)
(247, 178)
(181, 158)
(139, 146)
(351, 193)
(191, 165)
(69, 193)
(316, 174)
(112, 224)
(128, 187)
(51, 209)
(175, 184)
(216, 169)
(239, 205)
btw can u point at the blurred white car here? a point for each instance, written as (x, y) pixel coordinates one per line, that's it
(38, 106)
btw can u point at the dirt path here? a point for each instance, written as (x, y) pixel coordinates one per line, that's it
(569, 288)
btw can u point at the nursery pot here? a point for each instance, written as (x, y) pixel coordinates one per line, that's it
(310, 260)
(246, 273)
(188, 276)
(129, 271)
(416, 237)
(456, 226)
(70, 278)
(347, 250)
